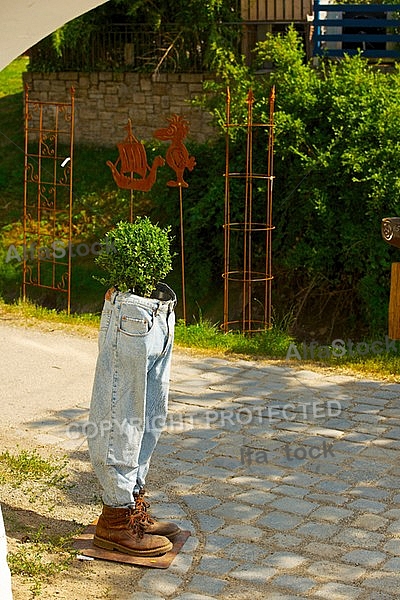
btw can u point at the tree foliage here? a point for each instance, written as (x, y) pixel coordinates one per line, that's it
(187, 31)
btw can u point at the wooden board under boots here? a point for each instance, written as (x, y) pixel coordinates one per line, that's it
(85, 547)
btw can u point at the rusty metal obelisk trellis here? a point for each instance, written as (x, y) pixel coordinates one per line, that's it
(248, 229)
(47, 218)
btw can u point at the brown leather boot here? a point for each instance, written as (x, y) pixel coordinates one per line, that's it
(151, 526)
(120, 529)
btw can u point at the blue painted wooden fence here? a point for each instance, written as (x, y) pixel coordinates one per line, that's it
(372, 28)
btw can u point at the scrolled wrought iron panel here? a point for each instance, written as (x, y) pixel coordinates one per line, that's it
(47, 218)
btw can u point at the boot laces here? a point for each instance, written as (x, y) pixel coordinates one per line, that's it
(137, 523)
(141, 507)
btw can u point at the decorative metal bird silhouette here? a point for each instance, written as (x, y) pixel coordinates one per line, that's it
(177, 156)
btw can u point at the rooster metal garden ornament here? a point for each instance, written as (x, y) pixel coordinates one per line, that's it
(177, 156)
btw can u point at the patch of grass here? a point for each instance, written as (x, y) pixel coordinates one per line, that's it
(385, 365)
(38, 556)
(206, 336)
(11, 76)
(278, 344)
(26, 465)
(37, 559)
(369, 358)
(29, 315)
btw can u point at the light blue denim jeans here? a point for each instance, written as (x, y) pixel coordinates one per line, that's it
(129, 402)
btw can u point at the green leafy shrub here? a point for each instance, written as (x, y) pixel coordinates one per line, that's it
(336, 168)
(135, 256)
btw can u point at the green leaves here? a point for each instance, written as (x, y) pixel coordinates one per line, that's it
(135, 256)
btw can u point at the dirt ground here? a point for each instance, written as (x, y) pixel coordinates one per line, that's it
(34, 511)
(37, 515)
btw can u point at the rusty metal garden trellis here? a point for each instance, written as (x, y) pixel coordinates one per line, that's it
(248, 229)
(47, 216)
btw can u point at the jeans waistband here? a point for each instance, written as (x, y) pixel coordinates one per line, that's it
(164, 306)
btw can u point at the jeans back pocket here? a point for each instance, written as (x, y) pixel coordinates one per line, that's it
(138, 323)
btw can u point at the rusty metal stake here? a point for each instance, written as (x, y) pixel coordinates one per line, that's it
(390, 229)
(182, 254)
(178, 159)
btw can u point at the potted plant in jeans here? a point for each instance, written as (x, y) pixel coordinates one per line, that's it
(130, 391)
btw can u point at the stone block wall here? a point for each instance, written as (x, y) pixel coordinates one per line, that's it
(105, 100)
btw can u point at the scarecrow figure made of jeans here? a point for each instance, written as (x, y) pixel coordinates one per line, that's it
(127, 413)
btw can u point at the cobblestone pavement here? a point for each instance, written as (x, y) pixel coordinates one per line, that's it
(287, 478)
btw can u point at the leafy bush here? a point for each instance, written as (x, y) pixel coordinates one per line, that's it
(10, 276)
(135, 256)
(337, 159)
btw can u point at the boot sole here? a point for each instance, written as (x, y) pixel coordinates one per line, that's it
(119, 548)
(173, 535)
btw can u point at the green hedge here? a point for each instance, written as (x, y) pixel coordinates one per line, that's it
(337, 159)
